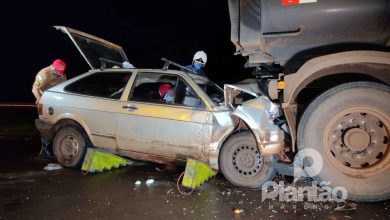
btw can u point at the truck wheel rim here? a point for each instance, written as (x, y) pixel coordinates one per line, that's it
(356, 142)
(246, 161)
(69, 147)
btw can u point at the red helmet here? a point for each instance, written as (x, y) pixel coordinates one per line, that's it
(163, 89)
(59, 66)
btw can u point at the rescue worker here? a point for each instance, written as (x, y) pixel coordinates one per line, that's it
(45, 79)
(198, 63)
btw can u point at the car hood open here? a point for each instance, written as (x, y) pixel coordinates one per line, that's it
(93, 48)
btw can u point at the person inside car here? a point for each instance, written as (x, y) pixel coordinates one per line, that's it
(166, 92)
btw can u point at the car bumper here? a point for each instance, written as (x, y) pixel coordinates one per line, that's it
(44, 127)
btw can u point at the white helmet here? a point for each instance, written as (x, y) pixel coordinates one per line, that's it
(200, 55)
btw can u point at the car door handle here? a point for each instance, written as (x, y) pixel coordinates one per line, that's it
(129, 106)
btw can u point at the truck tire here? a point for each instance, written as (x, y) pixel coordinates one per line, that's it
(70, 146)
(241, 162)
(349, 125)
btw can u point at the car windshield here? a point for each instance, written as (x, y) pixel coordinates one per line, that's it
(215, 92)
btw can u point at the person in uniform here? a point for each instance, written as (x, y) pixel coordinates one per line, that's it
(198, 63)
(48, 77)
(45, 79)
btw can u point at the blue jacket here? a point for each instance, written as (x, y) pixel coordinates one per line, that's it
(199, 71)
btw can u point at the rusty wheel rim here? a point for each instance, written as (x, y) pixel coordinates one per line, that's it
(356, 142)
(69, 147)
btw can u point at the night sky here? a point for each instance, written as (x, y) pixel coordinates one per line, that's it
(147, 30)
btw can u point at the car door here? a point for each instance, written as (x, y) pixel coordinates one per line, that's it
(95, 100)
(97, 52)
(176, 129)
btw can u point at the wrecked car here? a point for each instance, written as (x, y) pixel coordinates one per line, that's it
(126, 112)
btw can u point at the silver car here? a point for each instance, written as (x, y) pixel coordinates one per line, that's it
(124, 112)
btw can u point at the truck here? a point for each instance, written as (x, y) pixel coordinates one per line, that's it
(326, 65)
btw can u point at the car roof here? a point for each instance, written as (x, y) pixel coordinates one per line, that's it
(192, 75)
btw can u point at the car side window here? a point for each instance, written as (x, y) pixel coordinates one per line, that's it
(185, 95)
(104, 84)
(165, 89)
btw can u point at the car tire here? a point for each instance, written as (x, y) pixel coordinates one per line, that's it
(242, 164)
(70, 146)
(349, 126)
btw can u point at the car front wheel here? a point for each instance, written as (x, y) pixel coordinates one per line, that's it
(241, 162)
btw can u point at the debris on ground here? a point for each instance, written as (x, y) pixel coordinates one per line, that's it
(52, 166)
(149, 182)
(346, 207)
(237, 211)
(169, 191)
(160, 168)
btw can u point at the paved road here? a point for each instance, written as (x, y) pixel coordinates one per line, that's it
(29, 192)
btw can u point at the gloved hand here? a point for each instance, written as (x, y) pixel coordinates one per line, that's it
(127, 65)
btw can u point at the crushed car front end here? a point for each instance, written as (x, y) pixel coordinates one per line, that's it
(258, 113)
(243, 109)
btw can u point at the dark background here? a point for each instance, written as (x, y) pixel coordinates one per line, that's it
(147, 30)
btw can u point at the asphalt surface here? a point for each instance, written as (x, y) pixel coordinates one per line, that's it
(29, 192)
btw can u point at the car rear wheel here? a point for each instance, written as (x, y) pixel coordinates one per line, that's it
(70, 146)
(241, 162)
(349, 125)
